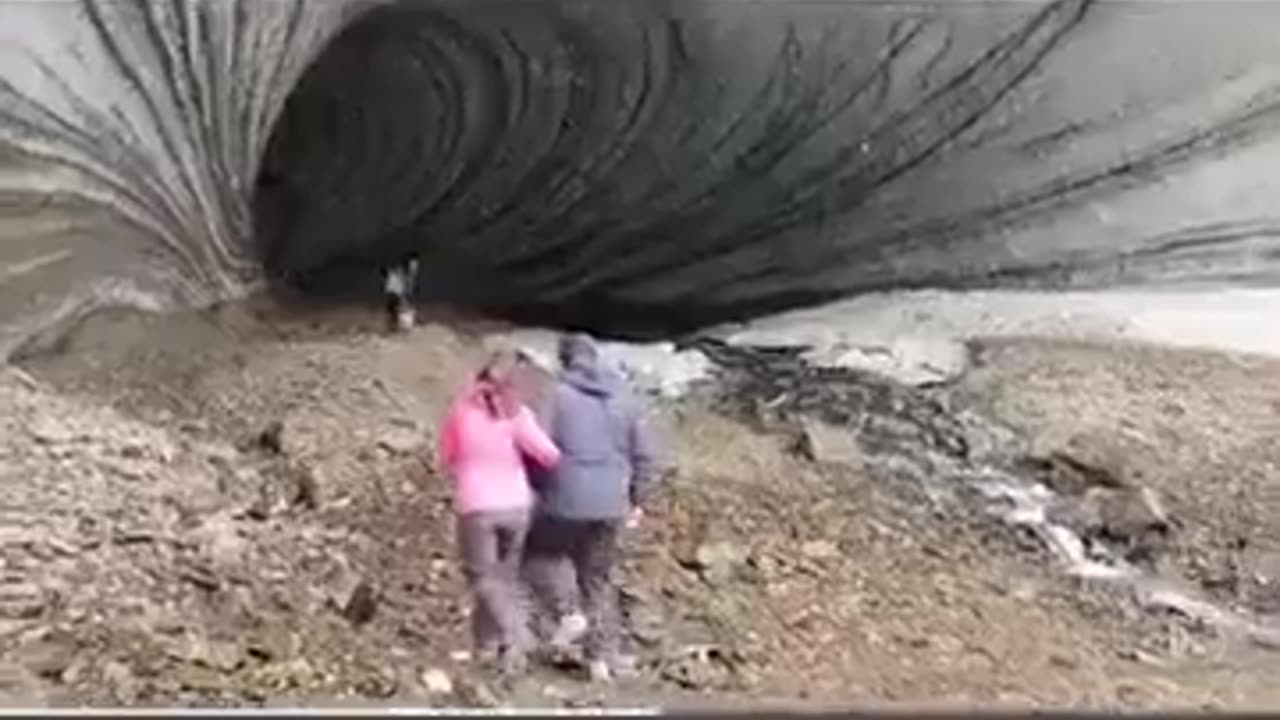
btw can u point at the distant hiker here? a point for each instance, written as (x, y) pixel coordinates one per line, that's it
(398, 286)
(485, 441)
(607, 463)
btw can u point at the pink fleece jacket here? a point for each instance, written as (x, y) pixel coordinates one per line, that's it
(485, 454)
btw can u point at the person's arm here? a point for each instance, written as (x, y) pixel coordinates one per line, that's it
(447, 450)
(533, 441)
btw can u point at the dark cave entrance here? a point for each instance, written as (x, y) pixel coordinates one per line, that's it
(352, 179)
(558, 163)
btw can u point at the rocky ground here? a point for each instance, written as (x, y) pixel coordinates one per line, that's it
(240, 507)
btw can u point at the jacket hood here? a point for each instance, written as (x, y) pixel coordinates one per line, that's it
(592, 379)
(584, 369)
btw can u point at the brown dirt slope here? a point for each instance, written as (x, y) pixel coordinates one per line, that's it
(240, 507)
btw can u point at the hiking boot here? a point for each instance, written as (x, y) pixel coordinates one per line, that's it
(512, 664)
(572, 627)
(487, 653)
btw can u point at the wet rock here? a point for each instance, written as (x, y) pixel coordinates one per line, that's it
(828, 445)
(1131, 512)
(1076, 514)
(1081, 463)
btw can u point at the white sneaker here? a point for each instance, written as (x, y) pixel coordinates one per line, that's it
(572, 627)
(600, 671)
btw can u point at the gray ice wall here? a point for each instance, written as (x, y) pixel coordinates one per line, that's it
(616, 162)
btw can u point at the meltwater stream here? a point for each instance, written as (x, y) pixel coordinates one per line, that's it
(961, 461)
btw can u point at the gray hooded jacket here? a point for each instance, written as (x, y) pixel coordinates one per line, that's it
(607, 454)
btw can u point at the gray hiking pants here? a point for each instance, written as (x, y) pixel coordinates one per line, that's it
(491, 545)
(569, 565)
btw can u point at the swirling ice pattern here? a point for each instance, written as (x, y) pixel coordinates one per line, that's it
(639, 165)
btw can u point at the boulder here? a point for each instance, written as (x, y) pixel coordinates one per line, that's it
(273, 642)
(49, 656)
(21, 601)
(1076, 514)
(222, 545)
(828, 445)
(1130, 512)
(361, 605)
(717, 562)
(1083, 462)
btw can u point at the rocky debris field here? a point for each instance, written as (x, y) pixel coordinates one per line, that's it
(1170, 457)
(241, 508)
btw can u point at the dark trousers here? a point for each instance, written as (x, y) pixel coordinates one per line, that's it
(570, 565)
(491, 545)
(393, 303)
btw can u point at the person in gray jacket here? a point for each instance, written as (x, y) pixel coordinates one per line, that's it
(608, 462)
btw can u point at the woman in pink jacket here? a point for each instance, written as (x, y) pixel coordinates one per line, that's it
(486, 439)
